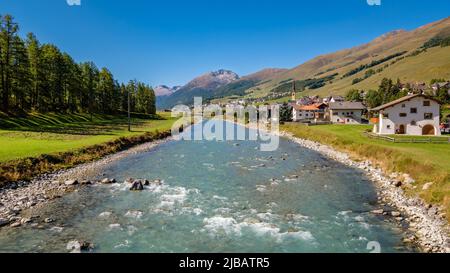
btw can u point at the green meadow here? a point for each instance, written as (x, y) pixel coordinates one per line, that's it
(37, 134)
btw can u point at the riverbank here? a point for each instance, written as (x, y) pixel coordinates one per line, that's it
(427, 222)
(18, 197)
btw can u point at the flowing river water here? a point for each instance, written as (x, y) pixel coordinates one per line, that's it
(218, 197)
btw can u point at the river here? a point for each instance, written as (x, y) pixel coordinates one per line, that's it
(218, 197)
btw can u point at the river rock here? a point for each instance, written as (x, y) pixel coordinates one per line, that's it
(378, 211)
(108, 181)
(4, 222)
(15, 224)
(395, 214)
(146, 182)
(48, 220)
(129, 180)
(25, 221)
(137, 186)
(158, 182)
(71, 182)
(79, 246)
(86, 182)
(105, 214)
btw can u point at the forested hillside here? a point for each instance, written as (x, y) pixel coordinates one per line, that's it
(40, 77)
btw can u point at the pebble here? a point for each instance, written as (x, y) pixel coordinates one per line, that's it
(72, 182)
(427, 186)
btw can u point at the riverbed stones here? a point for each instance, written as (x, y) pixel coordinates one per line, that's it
(48, 220)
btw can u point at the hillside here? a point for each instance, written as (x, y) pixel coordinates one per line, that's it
(393, 55)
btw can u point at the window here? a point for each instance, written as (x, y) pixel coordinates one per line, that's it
(403, 105)
(426, 103)
(413, 123)
(413, 110)
(403, 115)
(428, 116)
(389, 126)
(385, 115)
(338, 120)
(348, 120)
(335, 114)
(352, 113)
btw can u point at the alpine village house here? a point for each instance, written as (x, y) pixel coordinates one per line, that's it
(411, 115)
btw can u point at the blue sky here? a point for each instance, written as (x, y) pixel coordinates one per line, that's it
(172, 41)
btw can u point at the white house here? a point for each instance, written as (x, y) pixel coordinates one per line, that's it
(346, 112)
(308, 112)
(411, 115)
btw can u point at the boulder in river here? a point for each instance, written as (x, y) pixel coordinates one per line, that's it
(48, 220)
(86, 182)
(79, 246)
(108, 181)
(137, 186)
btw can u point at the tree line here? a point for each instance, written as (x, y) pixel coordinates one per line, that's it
(390, 90)
(39, 77)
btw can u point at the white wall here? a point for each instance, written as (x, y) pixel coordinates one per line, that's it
(298, 115)
(346, 116)
(389, 125)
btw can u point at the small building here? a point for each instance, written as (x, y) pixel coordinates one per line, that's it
(346, 112)
(411, 115)
(311, 112)
(441, 85)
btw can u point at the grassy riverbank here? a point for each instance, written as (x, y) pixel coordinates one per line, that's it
(38, 134)
(424, 162)
(37, 144)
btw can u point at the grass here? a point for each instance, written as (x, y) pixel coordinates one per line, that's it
(37, 134)
(424, 162)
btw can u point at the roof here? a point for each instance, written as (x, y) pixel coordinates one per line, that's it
(347, 105)
(312, 107)
(400, 100)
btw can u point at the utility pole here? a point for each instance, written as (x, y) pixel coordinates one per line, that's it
(129, 112)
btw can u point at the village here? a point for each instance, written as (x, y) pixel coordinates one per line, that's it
(418, 113)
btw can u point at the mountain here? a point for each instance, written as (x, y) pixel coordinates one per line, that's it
(164, 90)
(219, 84)
(397, 54)
(418, 55)
(199, 86)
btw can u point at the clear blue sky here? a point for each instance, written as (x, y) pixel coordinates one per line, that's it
(172, 41)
